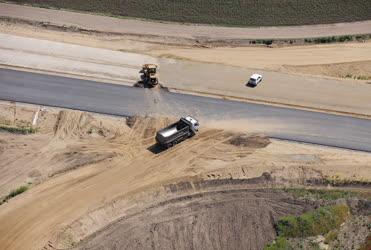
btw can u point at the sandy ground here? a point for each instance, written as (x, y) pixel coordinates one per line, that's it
(355, 70)
(275, 58)
(259, 57)
(90, 170)
(179, 31)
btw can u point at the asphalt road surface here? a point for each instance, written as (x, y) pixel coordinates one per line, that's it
(276, 122)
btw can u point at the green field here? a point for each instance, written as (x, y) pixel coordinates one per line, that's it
(224, 12)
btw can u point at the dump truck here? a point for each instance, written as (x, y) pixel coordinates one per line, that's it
(185, 128)
(149, 75)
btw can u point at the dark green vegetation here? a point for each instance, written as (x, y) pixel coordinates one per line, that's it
(341, 39)
(280, 243)
(320, 194)
(14, 193)
(319, 221)
(323, 220)
(233, 12)
(18, 130)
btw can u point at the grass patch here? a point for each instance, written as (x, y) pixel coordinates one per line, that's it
(338, 181)
(220, 12)
(18, 130)
(316, 222)
(322, 221)
(14, 193)
(320, 194)
(280, 243)
(360, 77)
(331, 236)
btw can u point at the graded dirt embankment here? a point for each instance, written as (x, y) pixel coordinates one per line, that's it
(86, 172)
(229, 219)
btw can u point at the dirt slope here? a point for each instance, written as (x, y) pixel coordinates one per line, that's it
(96, 170)
(233, 219)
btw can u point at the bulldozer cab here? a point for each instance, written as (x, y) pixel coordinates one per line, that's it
(150, 74)
(150, 68)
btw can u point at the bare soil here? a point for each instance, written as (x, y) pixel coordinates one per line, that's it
(233, 219)
(90, 174)
(353, 70)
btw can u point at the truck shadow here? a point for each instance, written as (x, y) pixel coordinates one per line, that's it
(156, 148)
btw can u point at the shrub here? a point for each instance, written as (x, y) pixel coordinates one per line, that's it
(280, 243)
(320, 194)
(18, 130)
(14, 193)
(329, 39)
(345, 38)
(331, 236)
(319, 221)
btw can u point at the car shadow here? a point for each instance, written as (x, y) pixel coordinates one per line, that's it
(156, 148)
(250, 85)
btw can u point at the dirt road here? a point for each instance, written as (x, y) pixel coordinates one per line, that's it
(178, 31)
(89, 171)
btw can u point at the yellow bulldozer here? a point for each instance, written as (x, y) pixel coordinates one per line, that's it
(149, 75)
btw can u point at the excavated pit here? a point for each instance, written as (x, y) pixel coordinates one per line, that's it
(218, 214)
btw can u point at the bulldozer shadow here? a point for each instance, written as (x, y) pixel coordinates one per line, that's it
(141, 84)
(156, 148)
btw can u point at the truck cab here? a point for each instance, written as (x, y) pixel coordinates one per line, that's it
(194, 122)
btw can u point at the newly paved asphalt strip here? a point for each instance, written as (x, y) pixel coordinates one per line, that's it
(276, 122)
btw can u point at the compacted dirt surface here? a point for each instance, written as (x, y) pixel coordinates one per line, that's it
(101, 182)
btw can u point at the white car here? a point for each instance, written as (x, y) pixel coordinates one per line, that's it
(255, 79)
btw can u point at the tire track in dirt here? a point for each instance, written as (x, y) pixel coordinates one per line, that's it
(244, 216)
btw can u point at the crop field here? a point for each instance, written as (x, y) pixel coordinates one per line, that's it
(221, 12)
